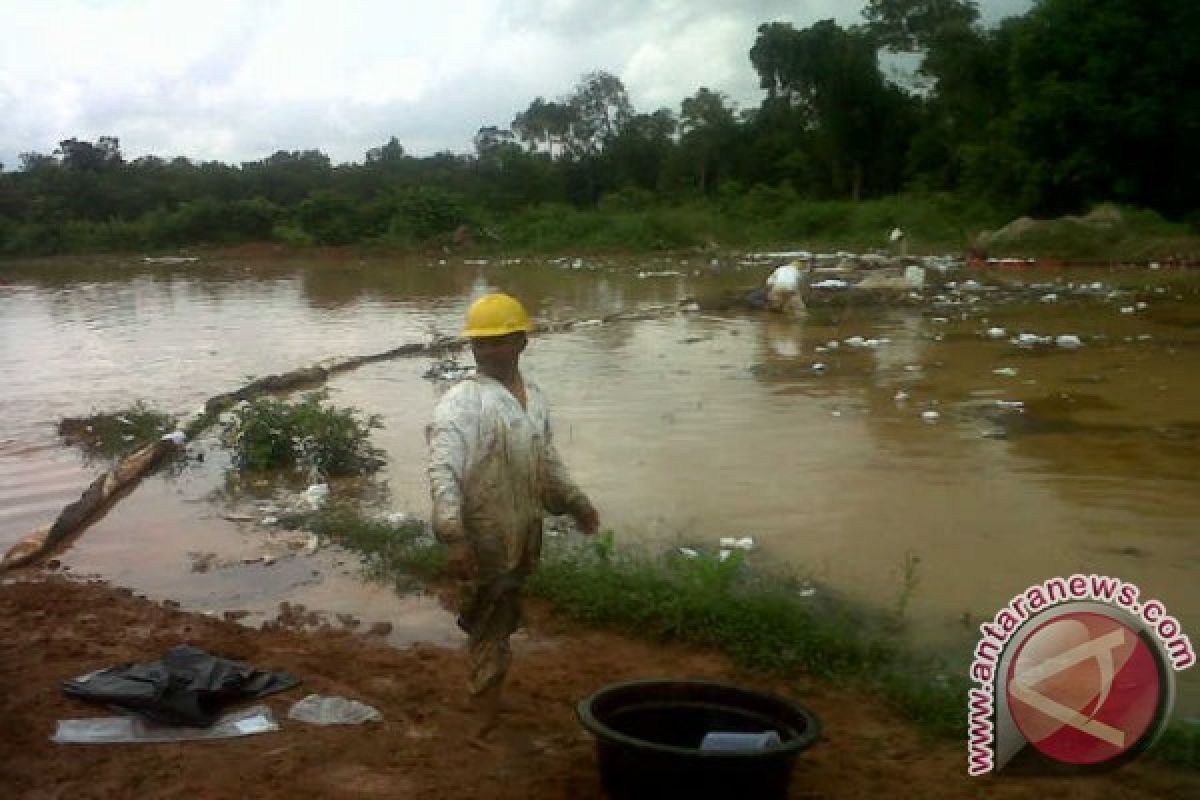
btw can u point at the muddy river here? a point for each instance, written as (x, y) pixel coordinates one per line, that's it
(934, 463)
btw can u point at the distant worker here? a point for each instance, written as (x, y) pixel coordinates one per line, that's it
(493, 472)
(783, 289)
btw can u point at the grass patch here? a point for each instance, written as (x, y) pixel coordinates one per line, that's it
(269, 433)
(1179, 745)
(112, 435)
(399, 552)
(767, 623)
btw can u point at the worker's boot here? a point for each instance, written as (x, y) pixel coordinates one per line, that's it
(485, 710)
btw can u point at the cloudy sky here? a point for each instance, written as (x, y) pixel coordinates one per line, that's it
(235, 80)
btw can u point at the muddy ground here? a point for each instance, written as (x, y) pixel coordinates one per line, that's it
(52, 629)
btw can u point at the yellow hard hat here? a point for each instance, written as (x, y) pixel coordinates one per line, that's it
(495, 315)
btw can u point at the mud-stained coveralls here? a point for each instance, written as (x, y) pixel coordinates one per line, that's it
(493, 472)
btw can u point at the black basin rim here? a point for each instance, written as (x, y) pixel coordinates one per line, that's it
(603, 732)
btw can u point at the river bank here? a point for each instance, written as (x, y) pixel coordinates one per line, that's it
(53, 629)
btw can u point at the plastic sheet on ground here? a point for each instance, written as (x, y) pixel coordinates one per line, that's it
(320, 710)
(135, 728)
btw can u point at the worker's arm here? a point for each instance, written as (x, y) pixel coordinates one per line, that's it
(560, 494)
(448, 454)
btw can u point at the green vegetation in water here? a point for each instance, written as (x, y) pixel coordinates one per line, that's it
(114, 434)
(269, 433)
(402, 553)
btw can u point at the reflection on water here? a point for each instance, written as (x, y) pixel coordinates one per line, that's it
(1042, 460)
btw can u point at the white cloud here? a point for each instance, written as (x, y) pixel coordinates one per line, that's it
(235, 80)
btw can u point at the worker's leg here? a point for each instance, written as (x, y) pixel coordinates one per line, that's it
(488, 658)
(795, 305)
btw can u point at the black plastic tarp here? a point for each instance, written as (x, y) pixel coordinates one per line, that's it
(188, 686)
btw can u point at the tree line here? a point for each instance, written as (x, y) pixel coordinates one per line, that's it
(1074, 103)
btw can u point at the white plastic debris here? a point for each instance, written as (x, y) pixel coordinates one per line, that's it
(914, 276)
(1030, 340)
(320, 710)
(745, 543)
(930, 416)
(269, 520)
(1006, 371)
(997, 333)
(727, 541)
(1068, 340)
(1011, 405)
(807, 591)
(1127, 309)
(136, 728)
(317, 494)
(724, 554)
(1141, 305)
(177, 438)
(896, 235)
(818, 367)
(1049, 298)
(856, 341)
(688, 552)
(830, 283)
(900, 396)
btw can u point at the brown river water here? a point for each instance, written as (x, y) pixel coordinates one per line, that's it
(684, 428)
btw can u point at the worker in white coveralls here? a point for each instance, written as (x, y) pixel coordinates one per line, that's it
(783, 289)
(493, 472)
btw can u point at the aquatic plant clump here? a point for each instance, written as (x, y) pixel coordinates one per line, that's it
(269, 433)
(116, 433)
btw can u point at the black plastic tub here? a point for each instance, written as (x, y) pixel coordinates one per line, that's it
(648, 736)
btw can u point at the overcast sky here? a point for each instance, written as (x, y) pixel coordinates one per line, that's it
(236, 80)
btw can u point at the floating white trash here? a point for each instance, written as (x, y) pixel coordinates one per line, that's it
(1069, 341)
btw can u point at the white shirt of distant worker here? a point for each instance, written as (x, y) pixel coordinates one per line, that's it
(493, 473)
(783, 289)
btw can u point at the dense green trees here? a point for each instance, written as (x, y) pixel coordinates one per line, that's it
(1077, 102)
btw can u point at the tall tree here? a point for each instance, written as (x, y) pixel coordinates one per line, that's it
(1106, 105)
(543, 124)
(600, 110)
(832, 75)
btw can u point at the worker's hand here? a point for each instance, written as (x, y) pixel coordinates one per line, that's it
(588, 520)
(460, 562)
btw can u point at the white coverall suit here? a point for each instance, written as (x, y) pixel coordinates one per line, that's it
(493, 472)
